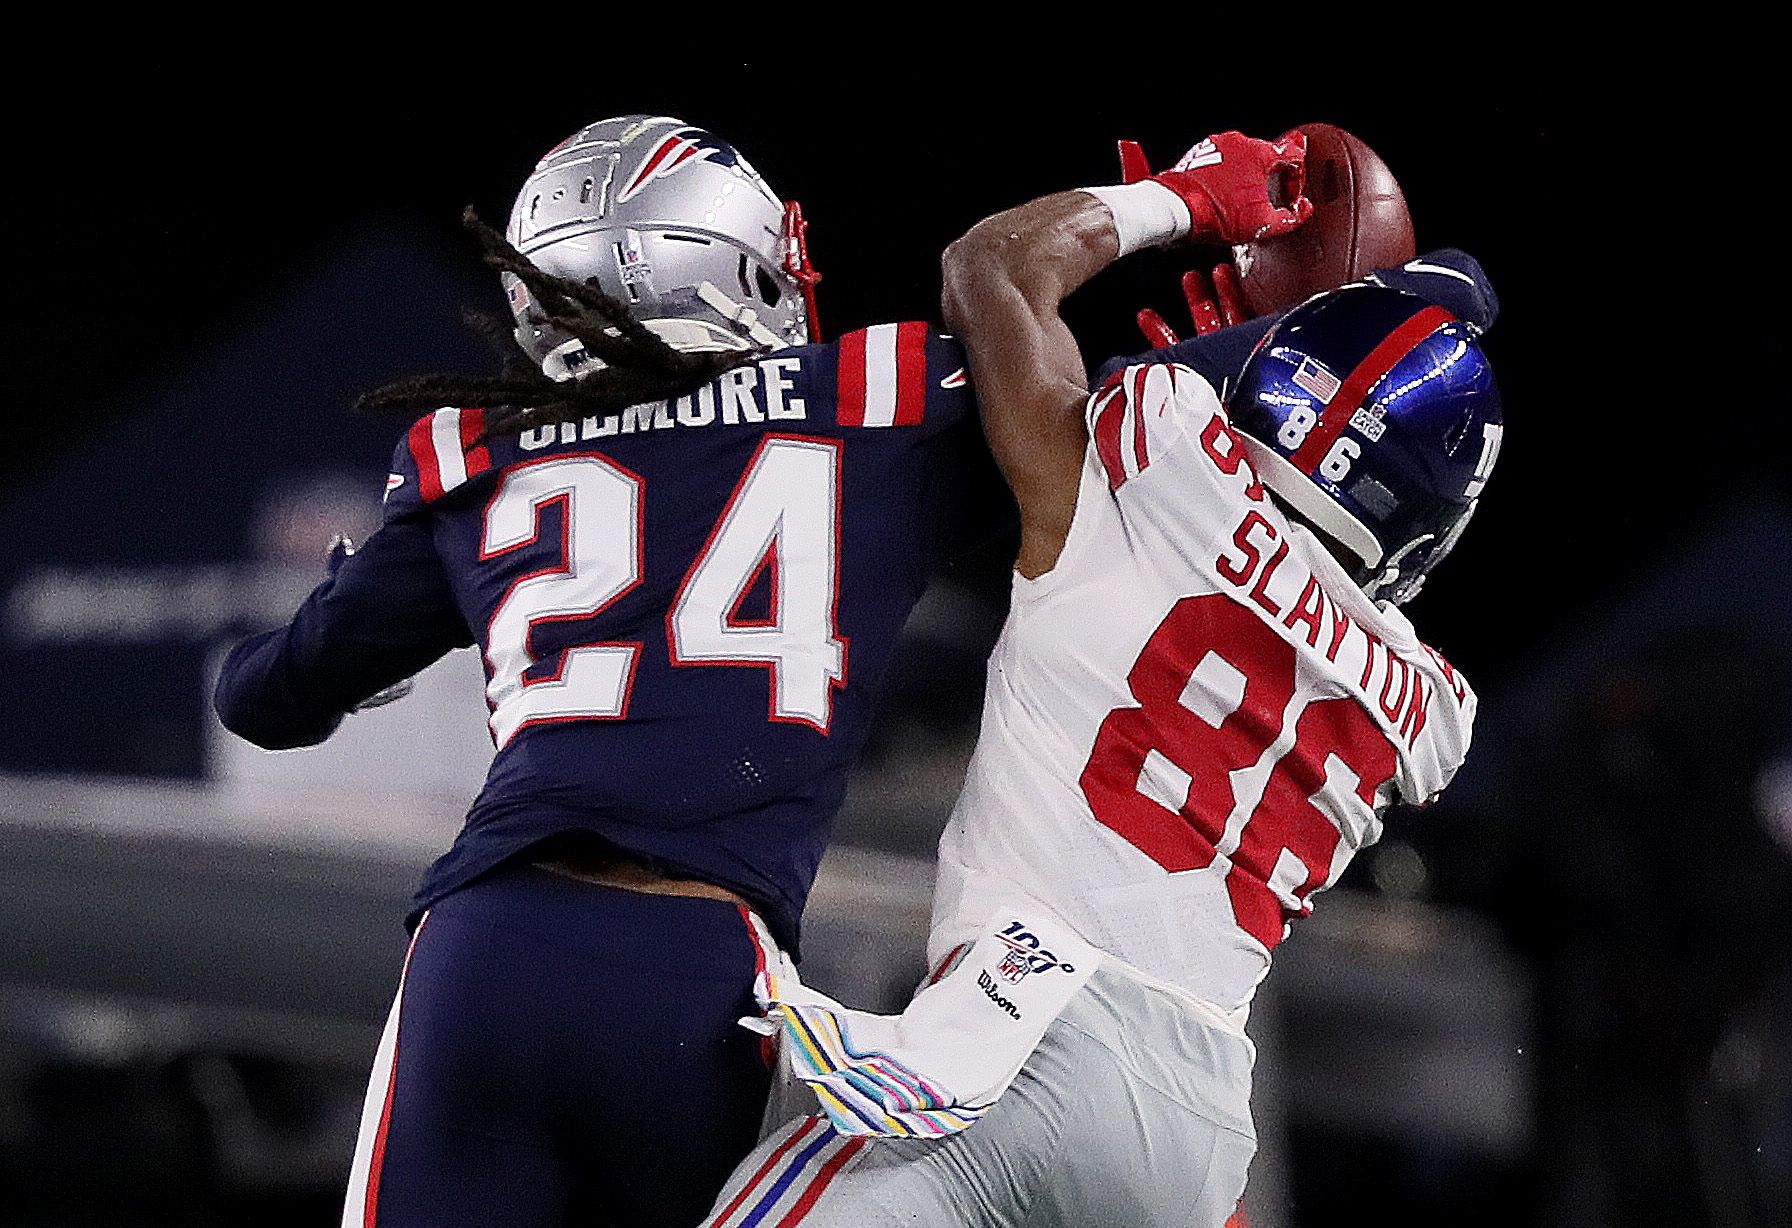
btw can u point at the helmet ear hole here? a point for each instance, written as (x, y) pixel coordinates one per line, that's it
(769, 289)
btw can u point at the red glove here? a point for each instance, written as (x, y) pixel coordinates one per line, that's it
(1213, 303)
(1229, 293)
(1157, 330)
(1224, 180)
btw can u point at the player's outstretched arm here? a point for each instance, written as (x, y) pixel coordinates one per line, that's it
(1005, 280)
(1003, 284)
(385, 613)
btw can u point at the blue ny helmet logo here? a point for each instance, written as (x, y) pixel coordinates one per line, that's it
(675, 151)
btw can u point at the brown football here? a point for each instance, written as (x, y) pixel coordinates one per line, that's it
(1359, 223)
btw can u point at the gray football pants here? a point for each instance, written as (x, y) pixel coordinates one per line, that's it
(1133, 1112)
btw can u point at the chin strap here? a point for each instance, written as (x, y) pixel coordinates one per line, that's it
(570, 359)
(740, 315)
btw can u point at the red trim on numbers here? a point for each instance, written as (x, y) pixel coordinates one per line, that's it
(1334, 417)
(850, 355)
(421, 440)
(562, 568)
(769, 559)
(838, 447)
(911, 374)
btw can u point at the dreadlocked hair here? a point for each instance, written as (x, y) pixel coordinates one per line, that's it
(637, 366)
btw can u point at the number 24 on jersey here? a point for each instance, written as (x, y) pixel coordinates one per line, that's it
(783, 517)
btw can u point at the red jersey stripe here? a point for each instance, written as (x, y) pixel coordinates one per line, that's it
(1355, 389)
(1108, 419)
(851, 379)
(423, 452)
(911, 374)
(479, 458)
(1139, 384)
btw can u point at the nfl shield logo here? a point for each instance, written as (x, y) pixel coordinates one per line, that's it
(1015, 967)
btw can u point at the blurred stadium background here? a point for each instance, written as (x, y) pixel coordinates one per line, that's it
(1562, 997)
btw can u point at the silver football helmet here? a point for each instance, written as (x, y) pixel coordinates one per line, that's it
(672, 221)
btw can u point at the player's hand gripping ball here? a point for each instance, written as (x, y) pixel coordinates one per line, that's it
(1237, 188)
(1360, 223)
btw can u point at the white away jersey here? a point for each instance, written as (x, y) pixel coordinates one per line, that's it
(1195, 719)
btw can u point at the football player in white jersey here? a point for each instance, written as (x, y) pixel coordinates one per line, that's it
(1202, 703)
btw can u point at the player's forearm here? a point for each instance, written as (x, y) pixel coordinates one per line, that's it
(256, 699)
(384, 614)
(1033, 256)
(1004, 282)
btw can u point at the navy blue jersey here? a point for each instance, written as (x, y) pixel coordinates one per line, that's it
(685, 609)
(1450, 278)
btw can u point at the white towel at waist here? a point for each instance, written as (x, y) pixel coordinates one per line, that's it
(939, 1065)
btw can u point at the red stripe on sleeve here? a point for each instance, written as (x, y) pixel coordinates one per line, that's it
(829, 1171)
(1139, 382)
(1355, 389)
(479, 458)
(423, 452)
(851, 407)
(1108, 420)
(911, 374)
(946, 964)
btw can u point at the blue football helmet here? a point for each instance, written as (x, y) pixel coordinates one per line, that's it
(1374, 416)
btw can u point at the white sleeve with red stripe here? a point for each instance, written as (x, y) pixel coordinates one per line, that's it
(882, 377)
(1140, 413)
(439, 453)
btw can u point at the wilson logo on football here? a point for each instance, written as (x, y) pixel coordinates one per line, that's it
(675, 152)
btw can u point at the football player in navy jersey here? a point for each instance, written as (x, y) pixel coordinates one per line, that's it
(684, 536)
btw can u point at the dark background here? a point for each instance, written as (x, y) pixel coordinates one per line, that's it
(1623, 601)
(211, 181)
